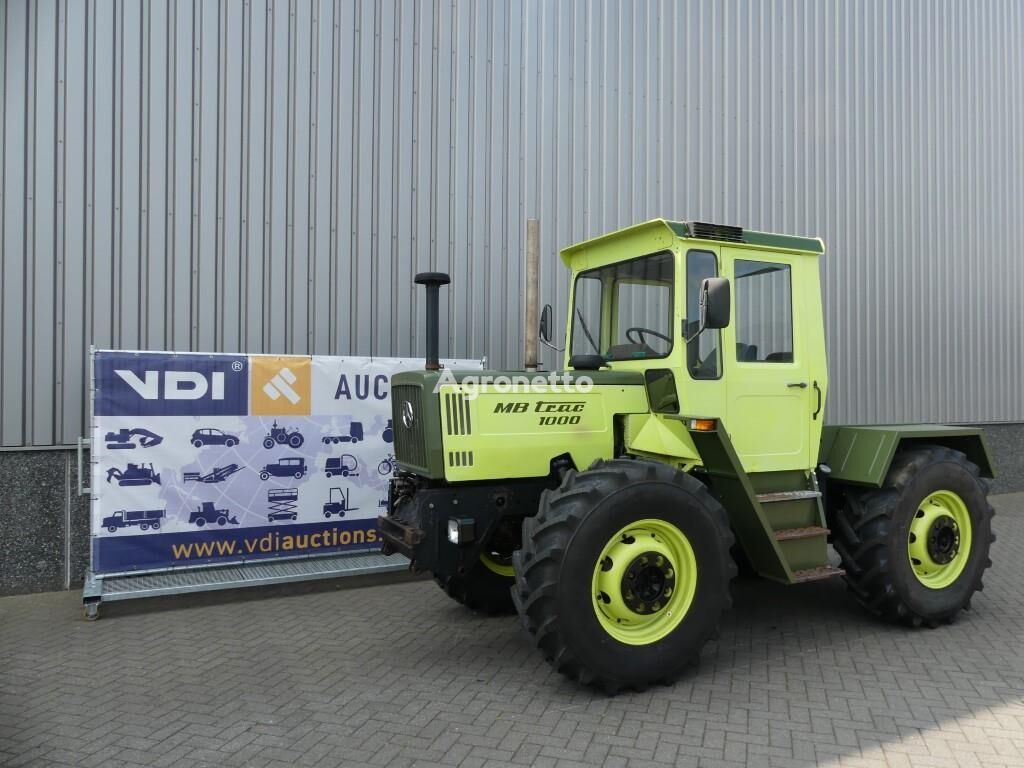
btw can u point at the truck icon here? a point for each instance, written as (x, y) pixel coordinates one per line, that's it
(134, 474)
(208, 513)
(337, 504)
(345, 465)
(293, 466)
(211, 436)
(283, 436)
(355, 434)
(144, 518)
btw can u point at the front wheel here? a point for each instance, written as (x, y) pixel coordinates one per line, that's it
(624, 573)
(484, 587)
(915, 550)
(268, 443)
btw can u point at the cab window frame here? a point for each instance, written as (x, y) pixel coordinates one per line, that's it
(720, 358)
(614, 308)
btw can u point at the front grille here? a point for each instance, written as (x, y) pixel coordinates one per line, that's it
(410, 442)
(456, 414)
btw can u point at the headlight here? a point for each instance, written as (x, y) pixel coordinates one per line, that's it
(460, 530)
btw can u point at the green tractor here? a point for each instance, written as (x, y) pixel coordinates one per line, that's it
(612, 502)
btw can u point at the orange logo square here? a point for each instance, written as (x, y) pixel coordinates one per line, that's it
(280, 386)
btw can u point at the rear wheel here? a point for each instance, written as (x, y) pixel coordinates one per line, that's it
(916, 549)
(624, 573)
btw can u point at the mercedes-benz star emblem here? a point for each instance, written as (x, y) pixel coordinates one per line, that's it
(408, 416)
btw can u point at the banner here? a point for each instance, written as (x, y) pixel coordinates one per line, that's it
(224, 458)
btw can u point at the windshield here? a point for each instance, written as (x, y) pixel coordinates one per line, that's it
(624, 311)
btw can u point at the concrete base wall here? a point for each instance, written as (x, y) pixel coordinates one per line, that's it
(44, 523)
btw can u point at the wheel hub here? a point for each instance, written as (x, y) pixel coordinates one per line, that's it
(939, 539)
(644, 582)
(648, 582)
(943, 540)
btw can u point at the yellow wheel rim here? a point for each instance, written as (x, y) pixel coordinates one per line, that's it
(498, 564)
(644, 582)
(939, 540)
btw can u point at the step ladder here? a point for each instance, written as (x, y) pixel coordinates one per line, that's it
(778, 517)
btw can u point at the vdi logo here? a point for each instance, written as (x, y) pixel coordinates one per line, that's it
(161, 384)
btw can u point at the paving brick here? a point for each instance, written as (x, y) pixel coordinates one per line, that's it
(397, 675)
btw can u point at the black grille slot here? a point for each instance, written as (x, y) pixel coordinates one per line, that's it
(456, 414)
(410, 442)
(716, 232)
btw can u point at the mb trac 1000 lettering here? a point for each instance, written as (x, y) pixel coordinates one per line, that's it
(612, 503)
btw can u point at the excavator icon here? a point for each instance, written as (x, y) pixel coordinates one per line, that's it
(124, 439)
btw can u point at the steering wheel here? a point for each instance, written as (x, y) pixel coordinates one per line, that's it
(640, 332)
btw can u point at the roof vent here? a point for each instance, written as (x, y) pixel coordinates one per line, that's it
(716, 232)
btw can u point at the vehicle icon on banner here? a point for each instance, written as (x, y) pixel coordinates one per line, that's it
(388, 435)
(387, 465)
(211, 436)
(144, 518)
(207, 514)
(337, 504)
(282, 503)
(215, 475)
(134, 474)
(283, 436)
(285, 467)
(355, 434)
(345, 465)
(125, 439)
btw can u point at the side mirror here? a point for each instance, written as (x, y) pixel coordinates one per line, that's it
(715, 303)
(545, 324)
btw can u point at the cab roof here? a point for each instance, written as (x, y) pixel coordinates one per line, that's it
(699, 230)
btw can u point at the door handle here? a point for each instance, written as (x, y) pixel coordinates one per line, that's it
(818, 409)
(800, 384)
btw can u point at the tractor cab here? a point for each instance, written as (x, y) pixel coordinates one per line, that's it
(722, 322)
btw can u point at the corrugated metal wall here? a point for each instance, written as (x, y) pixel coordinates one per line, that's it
(267, 176)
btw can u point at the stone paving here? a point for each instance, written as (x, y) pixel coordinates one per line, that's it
(397, 675)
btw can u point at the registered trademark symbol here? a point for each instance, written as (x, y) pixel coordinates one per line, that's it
(236, 365)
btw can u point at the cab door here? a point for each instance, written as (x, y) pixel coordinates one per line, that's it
(767, 369)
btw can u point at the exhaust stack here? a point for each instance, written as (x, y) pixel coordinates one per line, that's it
(433, 281)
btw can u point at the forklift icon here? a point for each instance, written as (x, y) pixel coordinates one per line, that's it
(338, 503)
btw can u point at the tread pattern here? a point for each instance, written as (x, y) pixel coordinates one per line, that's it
(861, 527)
(480, 590)
(545, 540)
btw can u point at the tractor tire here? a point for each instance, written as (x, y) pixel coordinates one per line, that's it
(222, 520)
(268, 443)
(295, 441)
(201, 522)
(916, 549)
(613, 596)
(486, 588)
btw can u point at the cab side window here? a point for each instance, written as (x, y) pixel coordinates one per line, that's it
(703, 356)
(764, 312)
